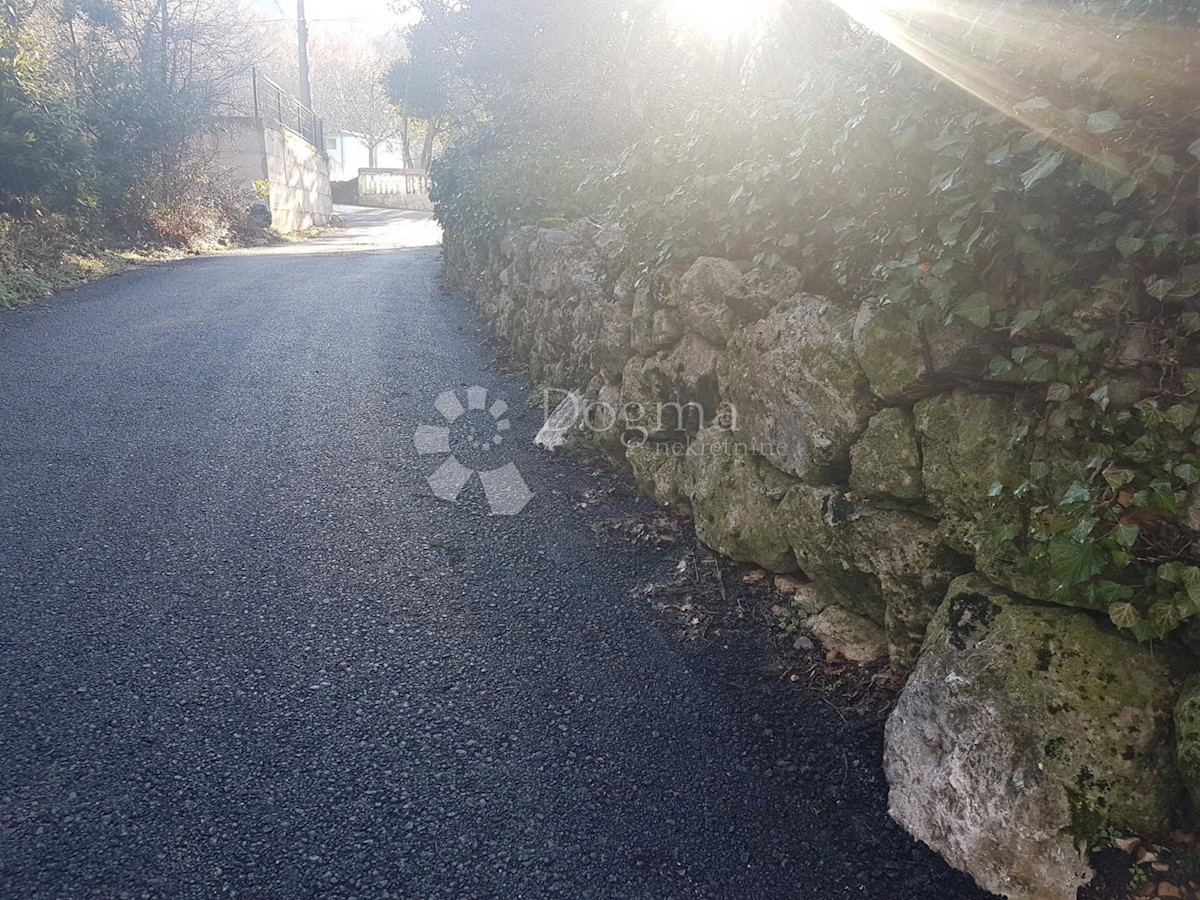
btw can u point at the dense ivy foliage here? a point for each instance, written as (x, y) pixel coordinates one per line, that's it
(1026, 172)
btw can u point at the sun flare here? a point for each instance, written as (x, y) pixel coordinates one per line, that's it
(722, 17)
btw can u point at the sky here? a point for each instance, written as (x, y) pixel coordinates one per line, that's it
(350, 18)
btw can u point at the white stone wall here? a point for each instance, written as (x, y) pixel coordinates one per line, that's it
(394, 189)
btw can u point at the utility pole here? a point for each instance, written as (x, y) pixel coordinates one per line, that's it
(302, 31)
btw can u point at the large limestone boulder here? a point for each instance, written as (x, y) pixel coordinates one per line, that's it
(554, 339)
(886, 565)
(735, 498)
(1023, 731)
(886, 461)
(800, 396)
(702, 298)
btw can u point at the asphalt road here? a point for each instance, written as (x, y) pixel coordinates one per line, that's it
(246, 652)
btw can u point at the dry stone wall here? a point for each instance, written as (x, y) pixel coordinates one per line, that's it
(841, 445)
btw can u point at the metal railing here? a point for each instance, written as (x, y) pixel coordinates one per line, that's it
(272, 102)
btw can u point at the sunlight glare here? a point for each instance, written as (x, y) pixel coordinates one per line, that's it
(720, 18)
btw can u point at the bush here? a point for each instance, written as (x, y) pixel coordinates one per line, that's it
(345, 191)
(44, 157)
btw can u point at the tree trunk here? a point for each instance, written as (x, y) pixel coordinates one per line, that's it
(427, 153)
(373, 155)
(405, 136)
(406, 142)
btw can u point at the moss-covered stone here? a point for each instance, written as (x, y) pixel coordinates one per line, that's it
(1187, 738)
(1023, 731)
(883, 564)
(613, 339)
(672, 392)
(969, 444)
(660, 472)
(762, 289)
(701, 298)
(735, 498)
(887, 344)
(666, 328)
(641, 325)
(886, 462)
(897, 358)
(800, 396)
(855, 637)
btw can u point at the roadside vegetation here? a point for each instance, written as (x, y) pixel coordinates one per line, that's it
(103, 109)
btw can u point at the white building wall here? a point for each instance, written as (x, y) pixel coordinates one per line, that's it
(348, 154)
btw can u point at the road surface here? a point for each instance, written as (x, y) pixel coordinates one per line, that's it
(246, 652)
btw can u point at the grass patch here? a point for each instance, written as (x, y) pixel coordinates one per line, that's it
(39, 257)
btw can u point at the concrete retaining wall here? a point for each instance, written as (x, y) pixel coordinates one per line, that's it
(296, 171)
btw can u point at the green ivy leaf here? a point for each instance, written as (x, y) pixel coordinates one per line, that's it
(1187, 473)
(1118, 478)
(1181, 415)
(1042, 168)
(1036, 103)
(1058, 392)
(1104, 121)
(1124, 615)
(1164, 616)
(1076, 493)
(1073, 562)
(1124, 190)
(998, 155)
(1106, 170)
(1162, 164)
(1126, 535)
(948, 231)
(999, 366)
(1128, 245)
(976, 309)
(1159, 288)
(1024, 320)
(1038, 368)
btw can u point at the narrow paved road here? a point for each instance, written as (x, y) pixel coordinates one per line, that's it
(246, 652)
